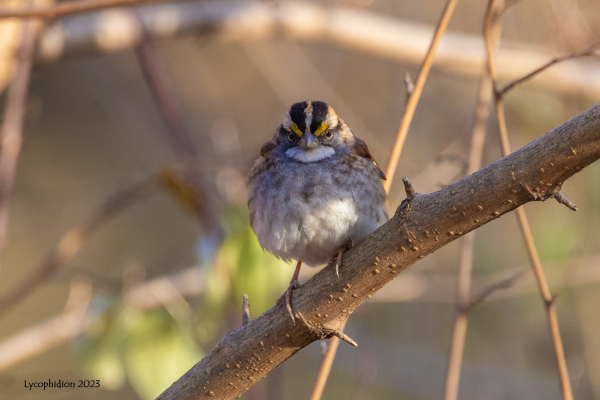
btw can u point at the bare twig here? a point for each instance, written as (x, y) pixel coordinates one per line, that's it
(162, 291)
(436, 289)
(38, 338)
(169, 296)
(158, 79)
(245, 310)
(493, 288)
(12, 127)
(73, 240)
(155, 293)
(325, 367)
(466, 253)
(441, 289)
(408, 189)
(159, 82)
(465, 267)
(342, 336)
(549, 303)
(522, 218)
(563, 200)
(413, 92)
(413, 100)
(71, 7)
(356, 30)
(590, 51)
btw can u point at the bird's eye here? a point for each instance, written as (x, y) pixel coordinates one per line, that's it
(328, 134)
(292, 136)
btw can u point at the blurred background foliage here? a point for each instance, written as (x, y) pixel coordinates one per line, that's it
(167, 286)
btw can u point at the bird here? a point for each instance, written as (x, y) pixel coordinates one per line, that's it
(314, 190)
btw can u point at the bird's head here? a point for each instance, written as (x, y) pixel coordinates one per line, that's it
(311, 131)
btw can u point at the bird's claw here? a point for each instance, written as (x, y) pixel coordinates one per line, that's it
(294, 284)
(340, 254)
(338, 264)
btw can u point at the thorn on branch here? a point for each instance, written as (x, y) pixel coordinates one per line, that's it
(325, 332)
(550, 303)
(410, 192)
(342, 336)
(563, 200)
(245, 311)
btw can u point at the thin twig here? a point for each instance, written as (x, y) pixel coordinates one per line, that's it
(413, 96)
(325, 367)
(71, 7)
(413, 100)
(493, 288)
(590, 51)
(160, 84)
(245, 310)
(163, 291)
(563, 200)
(12, 128)
(524, 224)
(73, 240)
(466, 253)
(39, 338)
(465, 267)
(342, 336)
(408, 189)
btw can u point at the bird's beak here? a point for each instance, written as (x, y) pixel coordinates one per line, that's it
(309, 141)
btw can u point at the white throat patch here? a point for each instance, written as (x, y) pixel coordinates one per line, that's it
(307, 156)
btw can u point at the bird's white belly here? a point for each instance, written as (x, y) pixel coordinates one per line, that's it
(312, 230)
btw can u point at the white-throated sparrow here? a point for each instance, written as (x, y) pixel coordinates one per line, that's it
(314, 188)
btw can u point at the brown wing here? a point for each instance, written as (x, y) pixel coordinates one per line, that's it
(267, 147)
(270, 145)
(361, 149)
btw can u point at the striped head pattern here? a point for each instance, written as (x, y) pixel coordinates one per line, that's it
(315, 117)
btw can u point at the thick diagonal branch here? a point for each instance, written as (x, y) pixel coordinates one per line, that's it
(420, 226)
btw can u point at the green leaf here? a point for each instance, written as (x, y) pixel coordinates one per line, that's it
(157, 352)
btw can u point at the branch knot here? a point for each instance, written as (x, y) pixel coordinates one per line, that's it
(322, 332)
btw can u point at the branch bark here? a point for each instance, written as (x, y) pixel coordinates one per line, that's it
(421, 225)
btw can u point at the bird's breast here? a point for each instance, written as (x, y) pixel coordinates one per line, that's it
(309, 211)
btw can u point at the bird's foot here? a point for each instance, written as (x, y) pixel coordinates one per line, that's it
(294, 284)
(340, 254)
(287, 296)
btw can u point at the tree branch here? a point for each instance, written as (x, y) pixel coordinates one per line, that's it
(465, 264)
(360, 31)
(490, 20)
(72, 241)
(590, 51)
(45, 335)
(12, 126)
(70, 7)
(420, 226)
(415, 94)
